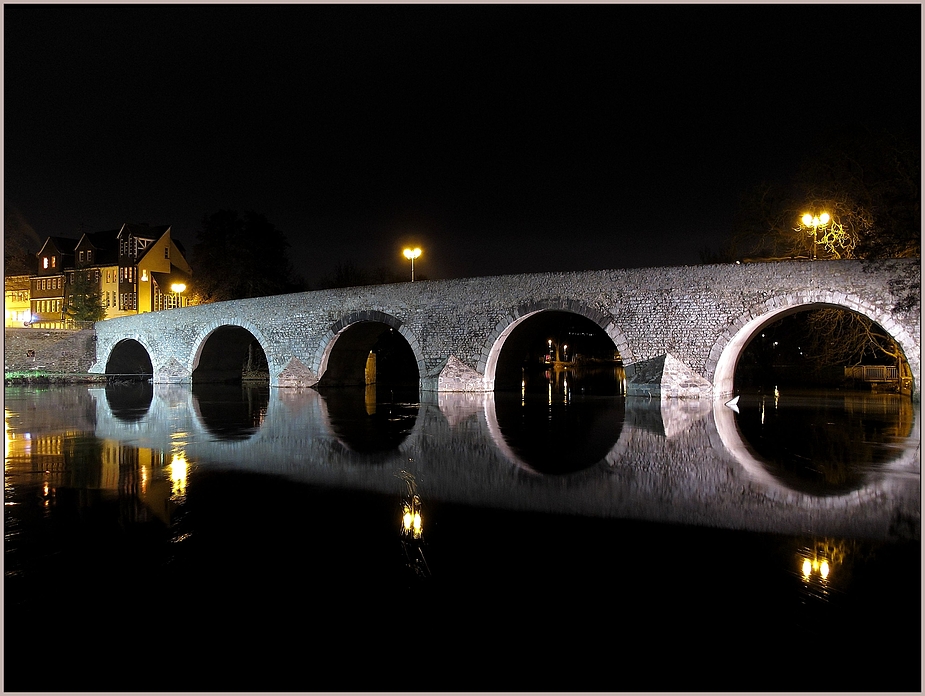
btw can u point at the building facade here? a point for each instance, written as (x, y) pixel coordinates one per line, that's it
(134, 269)
(17, 309)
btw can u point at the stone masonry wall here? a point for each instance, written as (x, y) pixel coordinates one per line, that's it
(689, 313)
(53, 351)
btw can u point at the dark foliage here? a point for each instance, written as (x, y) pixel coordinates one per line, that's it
(869, 184)
(239, 256)
(85, 303)
(347, 275)
(20, 244)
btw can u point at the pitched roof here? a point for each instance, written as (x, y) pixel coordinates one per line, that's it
(106, 244)
(165, 280)
(144, 231)
(64, 245)
(106, 239)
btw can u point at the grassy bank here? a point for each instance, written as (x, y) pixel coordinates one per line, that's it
(44, 377)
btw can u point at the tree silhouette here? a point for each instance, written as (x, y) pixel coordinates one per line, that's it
(347, 274)
(84, 302)
(20, 244)
(239, 256)
(868, 185)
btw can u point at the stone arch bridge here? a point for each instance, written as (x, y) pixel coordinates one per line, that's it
(679, 330)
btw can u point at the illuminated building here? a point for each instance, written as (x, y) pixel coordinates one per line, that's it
(134, 269)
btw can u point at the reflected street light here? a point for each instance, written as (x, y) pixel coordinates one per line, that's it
(411, 255)
(816, 222)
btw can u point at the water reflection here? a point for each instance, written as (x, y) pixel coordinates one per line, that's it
(412, 527)
(824, 444)
(448, 526)
(559, 382)
(674, 461)
(823, 565)
(231, 411)
(369, 421)
(130, 400)
(558, 436)
(564, 420)
(77, 471)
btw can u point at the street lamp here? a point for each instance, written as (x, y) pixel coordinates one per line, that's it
(177, 288)
(815, 222)
(411, 255)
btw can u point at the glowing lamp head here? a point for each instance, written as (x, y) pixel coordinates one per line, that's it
(178, 287)
(824, 219)
(412, 254)
(807, 219)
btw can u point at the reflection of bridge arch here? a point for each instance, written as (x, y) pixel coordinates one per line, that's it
(349, 342)
(728, 348)
(129, 403)
(592, 443)
(735, 444)
(491, 349)
(230, 411)
(220, 348)
(362, 425)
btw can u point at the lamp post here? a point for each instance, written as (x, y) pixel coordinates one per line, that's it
(411, 255)
(815, 222)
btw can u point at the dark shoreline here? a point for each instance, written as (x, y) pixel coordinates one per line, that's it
(76, 378)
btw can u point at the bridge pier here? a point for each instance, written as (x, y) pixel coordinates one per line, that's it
(665, 377)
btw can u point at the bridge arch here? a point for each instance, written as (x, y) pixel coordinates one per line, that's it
(219, 350)
(491, 349)
(729, 346)
(130, 356)
(356, 334)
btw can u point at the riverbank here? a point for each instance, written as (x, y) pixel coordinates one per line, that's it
(41, 377)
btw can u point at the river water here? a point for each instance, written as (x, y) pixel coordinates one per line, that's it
(214, 538)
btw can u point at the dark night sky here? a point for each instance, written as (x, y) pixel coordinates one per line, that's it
(500, 138)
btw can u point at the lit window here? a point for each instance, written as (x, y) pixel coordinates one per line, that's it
(44, 262)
